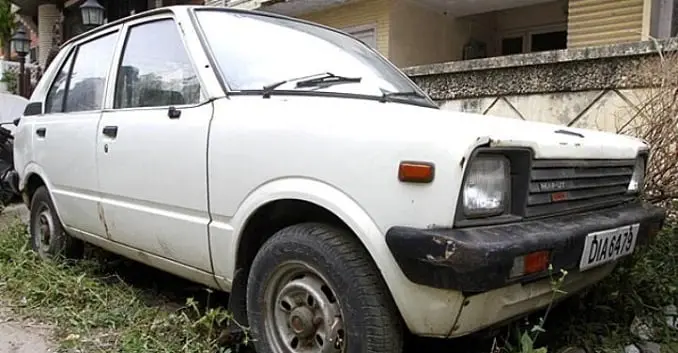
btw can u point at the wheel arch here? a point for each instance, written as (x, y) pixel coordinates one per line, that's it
(32, 178)
(317, 201)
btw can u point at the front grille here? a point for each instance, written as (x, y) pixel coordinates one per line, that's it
(564, 186)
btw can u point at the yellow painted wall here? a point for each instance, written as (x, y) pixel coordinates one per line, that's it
(599, 22)
(424, 35)
(365, 12)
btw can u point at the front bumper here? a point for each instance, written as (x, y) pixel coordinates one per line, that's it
(479, 259)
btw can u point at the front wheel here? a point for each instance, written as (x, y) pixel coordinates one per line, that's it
(48, 237)
(314, 288)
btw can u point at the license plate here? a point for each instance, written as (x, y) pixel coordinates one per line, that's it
(608, 245)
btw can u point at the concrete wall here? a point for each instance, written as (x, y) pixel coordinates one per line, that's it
(599, 88)
(362, 13)
(597, 22)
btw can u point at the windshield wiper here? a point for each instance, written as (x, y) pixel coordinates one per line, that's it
(326, 79)
(386, 97)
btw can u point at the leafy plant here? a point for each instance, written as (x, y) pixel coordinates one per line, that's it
(527, 338)
(7, 26)
(11, 81)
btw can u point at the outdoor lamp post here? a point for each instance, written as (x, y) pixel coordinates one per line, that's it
(92, 14)
(21, 45)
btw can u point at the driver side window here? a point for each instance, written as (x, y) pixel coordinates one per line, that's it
(155, 69)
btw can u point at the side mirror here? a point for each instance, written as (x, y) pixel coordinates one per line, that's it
(16, 121)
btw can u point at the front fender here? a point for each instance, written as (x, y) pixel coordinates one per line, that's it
(413, 301)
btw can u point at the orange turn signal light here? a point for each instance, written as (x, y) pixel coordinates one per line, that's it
(530, 263)
(416, 172)
(536, 262)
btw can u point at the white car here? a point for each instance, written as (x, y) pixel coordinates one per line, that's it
(293, 166)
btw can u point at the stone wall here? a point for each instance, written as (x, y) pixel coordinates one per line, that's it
(597, 87)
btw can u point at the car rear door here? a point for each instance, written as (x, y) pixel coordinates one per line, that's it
(151, 147)
(64, 136)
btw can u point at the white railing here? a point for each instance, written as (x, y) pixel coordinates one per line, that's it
(15, 67)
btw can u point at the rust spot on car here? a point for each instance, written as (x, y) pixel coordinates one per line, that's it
(450, 248)
(102, 218)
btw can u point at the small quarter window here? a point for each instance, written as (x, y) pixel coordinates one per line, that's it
(155, 70)
(55, 97)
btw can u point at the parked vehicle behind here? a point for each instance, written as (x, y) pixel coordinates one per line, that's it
(294, 167)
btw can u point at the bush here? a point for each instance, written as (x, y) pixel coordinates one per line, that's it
(10, 79)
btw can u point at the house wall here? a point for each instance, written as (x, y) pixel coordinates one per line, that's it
(360, 13)
(421, 35)
(426, 35)
(528, 17)
(598, 22)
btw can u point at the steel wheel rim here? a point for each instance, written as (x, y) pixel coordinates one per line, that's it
(302, 313)
(44, 226)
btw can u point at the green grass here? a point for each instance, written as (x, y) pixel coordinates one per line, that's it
(93, 310)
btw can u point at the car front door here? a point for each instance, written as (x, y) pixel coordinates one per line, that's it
(151, 148)
(64, 136)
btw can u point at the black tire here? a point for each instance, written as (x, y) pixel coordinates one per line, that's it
(55, 243)
(371, 321)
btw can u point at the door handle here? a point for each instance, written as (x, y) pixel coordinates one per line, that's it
(110, 131)
(41, 131)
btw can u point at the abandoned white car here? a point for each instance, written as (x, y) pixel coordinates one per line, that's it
(294, 167)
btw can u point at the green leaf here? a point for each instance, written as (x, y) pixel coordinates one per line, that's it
(526, 343)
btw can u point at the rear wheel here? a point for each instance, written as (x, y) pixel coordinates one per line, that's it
(314, 288)
(48, 237)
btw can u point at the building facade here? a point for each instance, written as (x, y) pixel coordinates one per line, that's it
(420, 32)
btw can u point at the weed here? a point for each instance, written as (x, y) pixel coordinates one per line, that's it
(640, 287)
(93, 313)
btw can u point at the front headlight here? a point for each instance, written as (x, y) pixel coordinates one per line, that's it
(638, 177)
(486, 189)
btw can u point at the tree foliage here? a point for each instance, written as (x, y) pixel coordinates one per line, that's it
(7, 26)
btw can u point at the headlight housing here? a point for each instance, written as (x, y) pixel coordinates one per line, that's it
(638, 177)
(486, 188)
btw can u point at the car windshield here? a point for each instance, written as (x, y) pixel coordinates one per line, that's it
(254, 51)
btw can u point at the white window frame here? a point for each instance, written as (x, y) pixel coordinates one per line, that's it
(527, 34)
(362, 28)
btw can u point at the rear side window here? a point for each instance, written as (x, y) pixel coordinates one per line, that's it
(88, 77)
(155, 69)
(80, 86)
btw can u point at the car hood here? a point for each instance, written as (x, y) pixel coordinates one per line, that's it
(546, 140)
(411, 125)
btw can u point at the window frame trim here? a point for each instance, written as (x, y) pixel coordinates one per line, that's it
(74, 51)
(527, 33)
(109, 105)
(351, 30)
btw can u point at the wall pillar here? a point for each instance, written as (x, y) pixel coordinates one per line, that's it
(48, 16)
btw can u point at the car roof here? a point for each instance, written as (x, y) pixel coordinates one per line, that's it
(179, 8)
